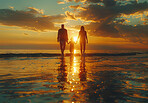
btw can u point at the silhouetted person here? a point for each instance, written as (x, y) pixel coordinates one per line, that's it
(62, 38)
(72, 42)
(83, 39)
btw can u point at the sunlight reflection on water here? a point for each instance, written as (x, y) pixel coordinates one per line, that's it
(74, 79)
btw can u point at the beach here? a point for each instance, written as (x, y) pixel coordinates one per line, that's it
(73, 51)
(74, 79)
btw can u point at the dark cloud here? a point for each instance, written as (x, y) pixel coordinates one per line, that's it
(137, 33)
(75, 1)
(32, 19)
(93, 1)
(102, 18)
(102, 30)
(97, 12)
(109, 3)
(106, 2)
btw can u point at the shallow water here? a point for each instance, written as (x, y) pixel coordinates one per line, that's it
(74, 79)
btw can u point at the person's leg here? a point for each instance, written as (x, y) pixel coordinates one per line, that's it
(64, 44)
(81, 47)
(84, 44)
(61, 46)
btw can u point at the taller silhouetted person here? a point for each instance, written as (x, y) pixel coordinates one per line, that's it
(62, 38)
(83, 39)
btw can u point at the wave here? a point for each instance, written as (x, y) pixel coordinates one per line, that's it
(67, 54)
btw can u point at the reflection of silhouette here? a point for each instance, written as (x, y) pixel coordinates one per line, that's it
(82, 69)
(71, 60)
(62, 75)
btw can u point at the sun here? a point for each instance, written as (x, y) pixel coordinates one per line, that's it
(75, 39)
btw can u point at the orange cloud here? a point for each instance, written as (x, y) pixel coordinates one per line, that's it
(35, 10)
(70, 15)
(60, 2)
(77, 7)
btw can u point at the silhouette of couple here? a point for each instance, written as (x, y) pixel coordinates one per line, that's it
(63, 39)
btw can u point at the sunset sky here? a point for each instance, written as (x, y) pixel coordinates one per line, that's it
(110, 24)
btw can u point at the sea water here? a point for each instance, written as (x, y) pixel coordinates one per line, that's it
(74, 78)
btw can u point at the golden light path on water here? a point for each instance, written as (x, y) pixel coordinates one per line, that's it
(73, 73)
(73, 79)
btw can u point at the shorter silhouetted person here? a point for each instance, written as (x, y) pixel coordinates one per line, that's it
(83, 39)
(62, 38)
(72, 42)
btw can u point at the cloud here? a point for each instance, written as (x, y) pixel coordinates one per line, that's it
(102, 30)
(102, 20)
(31, 18)
(68, 0)
(107, 3)
(11, 7)
(26, 34)
(75, 1)
(137, 33)
(70, 15)
(35, 10)
(97, 12)
(60, 2)
(76, 7)
(93, 1)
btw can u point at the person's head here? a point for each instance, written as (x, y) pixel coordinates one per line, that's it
(82, 28)
(62, 26)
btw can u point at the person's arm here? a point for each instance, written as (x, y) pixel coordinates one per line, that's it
(78, 36)
(86, 36)
(66, 36)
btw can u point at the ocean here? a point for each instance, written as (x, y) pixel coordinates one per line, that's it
(44, 76)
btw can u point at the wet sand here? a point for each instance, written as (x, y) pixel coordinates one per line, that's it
(74, 79)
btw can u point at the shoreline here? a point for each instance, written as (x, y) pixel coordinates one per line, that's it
(66, 54)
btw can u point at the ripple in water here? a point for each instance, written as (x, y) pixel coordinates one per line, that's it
(96, 79)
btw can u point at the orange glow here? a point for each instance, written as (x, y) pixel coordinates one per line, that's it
(74, 51)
